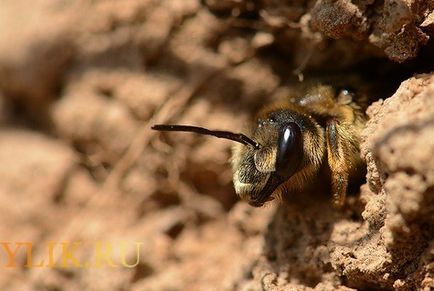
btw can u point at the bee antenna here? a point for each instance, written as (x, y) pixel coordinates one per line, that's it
(238, 137)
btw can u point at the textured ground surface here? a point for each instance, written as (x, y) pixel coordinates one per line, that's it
(82, 81)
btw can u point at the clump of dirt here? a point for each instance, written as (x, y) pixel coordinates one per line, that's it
(81, 83)
(338, 33)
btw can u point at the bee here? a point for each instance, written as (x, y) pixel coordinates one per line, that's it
(292, 142)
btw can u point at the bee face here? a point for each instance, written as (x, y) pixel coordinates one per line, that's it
(287, 138)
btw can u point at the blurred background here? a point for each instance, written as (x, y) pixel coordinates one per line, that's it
(81, 82)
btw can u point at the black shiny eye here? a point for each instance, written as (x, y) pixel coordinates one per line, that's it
(289, 150)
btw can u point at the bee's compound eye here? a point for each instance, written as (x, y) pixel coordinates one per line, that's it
(289, 150)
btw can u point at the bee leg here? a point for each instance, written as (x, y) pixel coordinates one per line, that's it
(338, 147)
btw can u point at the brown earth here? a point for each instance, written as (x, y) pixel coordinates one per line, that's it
(81, 82)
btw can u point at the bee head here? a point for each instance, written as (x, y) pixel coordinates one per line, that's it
(274, 153)
(258, 173)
